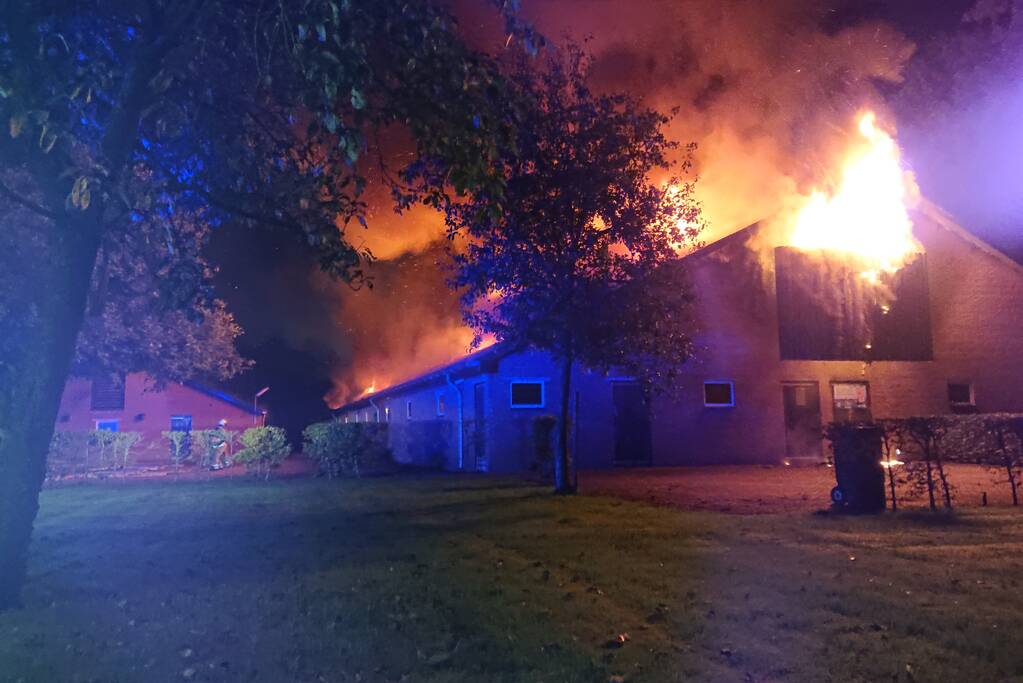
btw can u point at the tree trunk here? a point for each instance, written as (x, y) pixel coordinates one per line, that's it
(930, 484)
(564, 481)
(1007, 462)
(47, 313)
(1012, 483)
(946, 491)
(891, 477)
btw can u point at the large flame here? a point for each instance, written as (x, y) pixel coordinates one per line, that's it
(867, 214)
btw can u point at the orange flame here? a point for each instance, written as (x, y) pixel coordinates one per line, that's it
(867, 215)
(371, 388)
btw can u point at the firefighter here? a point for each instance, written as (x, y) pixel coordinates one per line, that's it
(218, 443)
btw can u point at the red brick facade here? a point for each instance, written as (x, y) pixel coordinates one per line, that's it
(148, 409)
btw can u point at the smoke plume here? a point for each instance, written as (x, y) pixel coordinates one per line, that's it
(768, 90)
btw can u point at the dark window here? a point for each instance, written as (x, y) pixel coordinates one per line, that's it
(851, 401)
(108, 393)
(718, 394)
(960, 397)
(527, 394)
(408, 410)
(440, 404)
(827, 310)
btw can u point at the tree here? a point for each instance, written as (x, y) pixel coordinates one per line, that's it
(927, 435)
(265, 448)
(119, 112)
(150, 306)
(580, 255)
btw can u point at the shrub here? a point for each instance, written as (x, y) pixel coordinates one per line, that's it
(76, 452)
(264, 448)
(123, 445)
(926, 444)
(180, 443)
(68, 454)
(103, 444)
(347, 449)
(205, 443)
(994, 440)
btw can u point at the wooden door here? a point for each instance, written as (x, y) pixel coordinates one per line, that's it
(479, 432)
(803, 437)
(633, 440)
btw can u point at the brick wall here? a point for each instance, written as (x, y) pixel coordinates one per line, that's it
(976, 309)
(148, 410)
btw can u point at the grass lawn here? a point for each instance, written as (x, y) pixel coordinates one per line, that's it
(474, 579)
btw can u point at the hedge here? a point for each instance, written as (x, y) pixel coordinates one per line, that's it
(916, 449)
(348, 449)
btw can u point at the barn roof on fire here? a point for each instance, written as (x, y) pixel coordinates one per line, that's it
(467, 366)
(474, 363)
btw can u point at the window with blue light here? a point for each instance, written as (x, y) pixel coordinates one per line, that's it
(106, 425)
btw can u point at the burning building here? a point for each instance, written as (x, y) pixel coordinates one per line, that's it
(788, 341)
(862, 301)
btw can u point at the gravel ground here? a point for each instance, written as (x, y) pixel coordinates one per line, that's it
(748, 489)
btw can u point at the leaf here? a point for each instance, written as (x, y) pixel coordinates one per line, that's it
(330, 122)
(16, 125)
(358, 101)
(80, 194)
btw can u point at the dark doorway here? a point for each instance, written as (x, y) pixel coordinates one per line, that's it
(479, 440)
(803, 438)
(632, 424)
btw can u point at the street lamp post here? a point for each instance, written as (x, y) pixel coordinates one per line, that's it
(255, 406)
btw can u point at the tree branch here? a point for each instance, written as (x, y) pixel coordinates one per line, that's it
(28, 203)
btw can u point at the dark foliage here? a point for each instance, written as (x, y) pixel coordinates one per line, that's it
(119, 113)
(916, 450)
(347, 449)
(579, 256)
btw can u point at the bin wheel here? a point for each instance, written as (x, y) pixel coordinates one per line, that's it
(837, 496)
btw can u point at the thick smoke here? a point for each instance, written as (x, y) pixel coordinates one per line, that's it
(768, 90)
(405, 324)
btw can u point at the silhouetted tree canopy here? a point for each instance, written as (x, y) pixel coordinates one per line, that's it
(579, 256)
(121, 116)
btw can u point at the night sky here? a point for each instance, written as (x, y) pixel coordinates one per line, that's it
(761, 88)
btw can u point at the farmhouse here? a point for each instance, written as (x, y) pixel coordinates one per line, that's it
(137, 403)
(788, 340)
